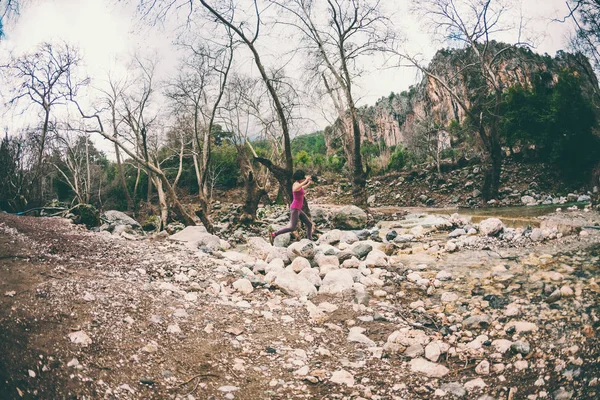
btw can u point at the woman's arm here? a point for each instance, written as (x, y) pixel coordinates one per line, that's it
(299, 185)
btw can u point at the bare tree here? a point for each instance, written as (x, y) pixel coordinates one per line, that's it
(241, 107)
(44, 79)
(8, 10)
(248, 32)
(586, 16)
(112, 97)
(472, 23)
(353, 30)
(198, 90)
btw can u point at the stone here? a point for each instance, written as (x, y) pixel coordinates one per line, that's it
(391, 235)
(427, 368)
(349, 237)
(243, 286)
(537, 235)
(80, 337)
(483, 368)
(501, 345)
(361, 249)
(481, 321)
(304, 248)
(323, 260)
(457, 232)
(356, 335)
(521, 365)
(399, 340)
(520, 347)
(473, 384)
(349, 217)
(376, 259)
(490, 227)
(416, 350)
(330, 237)
(521, 326)
(443, 276)
(116, 218)
(258, 247)
(228, 389)
(433, 351)
(342, 377)
(299, 264)
(562, 394)
(454, 388)
(174, 328)
(337, 282)
(528, 201)
(311, 275)
(282, 240)
(294, 285)
(449, 297)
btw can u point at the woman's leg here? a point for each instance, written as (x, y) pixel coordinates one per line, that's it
(293, 223)
(309, 225)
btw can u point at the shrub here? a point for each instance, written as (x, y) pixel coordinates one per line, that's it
(397, 160)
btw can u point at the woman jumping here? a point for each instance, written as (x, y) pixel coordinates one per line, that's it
(300, 182)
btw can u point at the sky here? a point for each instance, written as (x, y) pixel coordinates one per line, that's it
(109, 32)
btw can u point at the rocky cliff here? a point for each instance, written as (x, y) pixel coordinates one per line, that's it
(400, 118)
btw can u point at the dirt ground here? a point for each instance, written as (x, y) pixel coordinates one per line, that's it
(156, 329)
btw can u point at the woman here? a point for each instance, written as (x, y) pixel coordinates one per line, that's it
(300, 182)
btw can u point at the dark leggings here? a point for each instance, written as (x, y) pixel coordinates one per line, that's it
(294, 215)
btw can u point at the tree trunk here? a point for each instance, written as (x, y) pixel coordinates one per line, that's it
(202, 213)
(254, 193)
(177, 206)
(162, 201)
(359, 179)
(122, 179)
(491, 181)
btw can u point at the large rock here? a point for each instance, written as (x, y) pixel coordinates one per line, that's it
(376, 258)
(116, 218)
(282, 240)
(258, 247)
(319, 215)
(491, 227)
(299, 264)
(337, 282)
(311, 275)
(349, 237)
(294, 285)
(331, 237)
(361, 249)
(322, 260)
(304, 248)
(188, 234)
(427, 368)
(350, 217)
(399, 340)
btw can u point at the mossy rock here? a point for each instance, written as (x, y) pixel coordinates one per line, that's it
(152, 223)
(88, 215)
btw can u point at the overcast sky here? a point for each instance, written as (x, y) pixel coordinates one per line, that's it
(109, 32)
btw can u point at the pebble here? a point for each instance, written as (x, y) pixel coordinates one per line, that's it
(520, 347)
(483, 368)
(342, 377)
(432, 370)
(473, 384)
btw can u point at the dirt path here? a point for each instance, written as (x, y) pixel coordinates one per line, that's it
(158, 320)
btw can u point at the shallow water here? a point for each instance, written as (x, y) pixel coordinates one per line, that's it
(513, 217)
